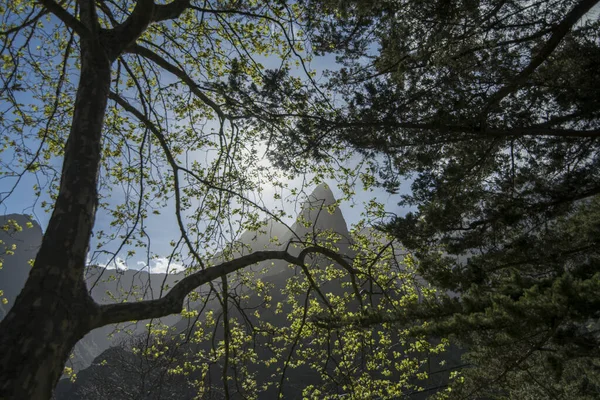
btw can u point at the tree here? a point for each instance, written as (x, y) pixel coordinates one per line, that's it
(139, 374)
(491, 109)
(273, 348)
(170, 111)
(139, 66)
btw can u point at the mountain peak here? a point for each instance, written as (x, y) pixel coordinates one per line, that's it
(317, 211)
(322, 195)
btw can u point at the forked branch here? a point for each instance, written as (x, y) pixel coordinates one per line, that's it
(172, 302)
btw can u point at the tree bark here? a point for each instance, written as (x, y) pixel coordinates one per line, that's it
(54, 309)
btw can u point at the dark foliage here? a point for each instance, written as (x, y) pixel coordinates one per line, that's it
(491, 109)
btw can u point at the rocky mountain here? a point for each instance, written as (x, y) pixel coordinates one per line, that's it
(20, 239)
(319, 220)
(319, 215)
(106, 285)
(19, 242)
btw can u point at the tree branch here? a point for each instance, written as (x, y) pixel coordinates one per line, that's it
(107, 12)
(472, 132)
(26, 23)
(170, 159)
(125, 34)
(169, 11)
(68, 19)
(164, 305)
(178, 72)
(176, 167)
(144, 13)
(559, 32)
(172, 302)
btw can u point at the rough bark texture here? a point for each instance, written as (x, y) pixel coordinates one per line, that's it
(54, 309)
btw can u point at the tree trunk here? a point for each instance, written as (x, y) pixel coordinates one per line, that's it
(54, 309)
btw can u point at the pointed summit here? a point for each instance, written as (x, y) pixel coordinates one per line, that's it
(321, 214)
(322, 195)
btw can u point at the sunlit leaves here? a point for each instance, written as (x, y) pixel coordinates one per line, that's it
(204, 109)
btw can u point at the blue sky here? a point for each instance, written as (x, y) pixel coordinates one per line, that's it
(162, 229)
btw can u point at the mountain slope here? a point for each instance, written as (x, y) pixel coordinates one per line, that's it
(320, 213)
(146, 376)
(15, 267)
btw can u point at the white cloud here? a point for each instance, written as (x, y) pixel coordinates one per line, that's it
(161, 265)
(158, 265)
(117, 264)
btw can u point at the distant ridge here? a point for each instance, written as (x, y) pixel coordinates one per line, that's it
(134, 285)
(16, 267)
